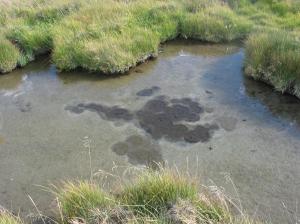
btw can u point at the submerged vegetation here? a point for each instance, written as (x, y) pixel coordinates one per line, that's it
(111, 36)
(162, 197)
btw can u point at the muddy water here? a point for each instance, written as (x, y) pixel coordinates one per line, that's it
(191, 107)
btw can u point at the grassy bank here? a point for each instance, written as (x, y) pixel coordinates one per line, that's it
(273, 49)
(162, 197)
(111, 36)
(274, 58)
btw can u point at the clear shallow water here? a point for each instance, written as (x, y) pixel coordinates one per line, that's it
(190, 107)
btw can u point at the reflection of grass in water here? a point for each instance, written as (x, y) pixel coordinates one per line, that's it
(14, 79)
(284, 106)
(193, 47)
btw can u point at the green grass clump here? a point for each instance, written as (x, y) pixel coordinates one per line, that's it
(112, 37)
(274, 57)
(103, 38)
(78, 200)
(161, 18)
(153, 192)
(161, 197)
(215, 24)
(33, 40)
(116, 54)
(8, 218)
(30, 26)
(9, 56)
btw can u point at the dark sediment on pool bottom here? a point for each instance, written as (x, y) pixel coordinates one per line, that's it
(108, 113)
(163, 118)
(148, 92)
(139, 150)
(200, 133)
(160, 117)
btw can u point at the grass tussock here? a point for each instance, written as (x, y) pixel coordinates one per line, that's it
(77, 200)
(154, 192)
(274, 57)
(9, 56)
(161, 196)
(8, 218)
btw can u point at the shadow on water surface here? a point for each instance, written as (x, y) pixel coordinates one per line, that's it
(184, 47)
(14, 79)
(248, 95)
(78, 76)
(282, 106)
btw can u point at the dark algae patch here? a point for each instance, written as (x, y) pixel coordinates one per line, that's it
(139, 150)
(109, 113)
(162, 118)
(148, 92)
(201, 133)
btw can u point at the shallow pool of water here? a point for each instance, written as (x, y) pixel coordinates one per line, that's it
(191, 107)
